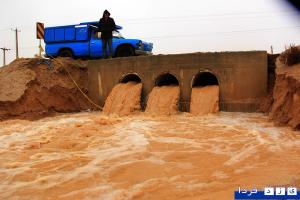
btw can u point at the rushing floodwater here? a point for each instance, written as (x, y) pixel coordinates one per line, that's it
(124, 99)
(91, 156)
(204, 100)
(163, 100)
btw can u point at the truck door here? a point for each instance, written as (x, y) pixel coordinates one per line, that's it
(95, 45)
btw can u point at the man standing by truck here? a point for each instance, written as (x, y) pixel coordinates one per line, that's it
(106, 27)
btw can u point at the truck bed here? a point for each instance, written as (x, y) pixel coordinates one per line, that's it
(66, 33)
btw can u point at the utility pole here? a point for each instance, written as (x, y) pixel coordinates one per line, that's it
(4, 50)
(17, 41)
(271, 49)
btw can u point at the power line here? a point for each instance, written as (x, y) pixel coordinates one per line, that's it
(225, 32)
(22, 26)
(231, 20)
(209, 15)
(184, 18)
(5, 29)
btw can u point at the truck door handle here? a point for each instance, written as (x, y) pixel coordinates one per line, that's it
(92, 42)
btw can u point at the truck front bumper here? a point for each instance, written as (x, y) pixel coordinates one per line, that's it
(141, 52)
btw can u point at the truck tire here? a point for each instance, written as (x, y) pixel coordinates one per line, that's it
(65, 53)
(125, 51)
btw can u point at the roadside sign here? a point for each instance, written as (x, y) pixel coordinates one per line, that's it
(39, 30)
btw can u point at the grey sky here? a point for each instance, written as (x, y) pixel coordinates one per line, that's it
(174, 26)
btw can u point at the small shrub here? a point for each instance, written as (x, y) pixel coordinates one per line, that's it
(291, 56)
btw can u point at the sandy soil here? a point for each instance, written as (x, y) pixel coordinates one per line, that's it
(124, 99)
(91, 156)
(14, 80)
(286, 97)
(31, 90)
(283, 101)
(204, 100)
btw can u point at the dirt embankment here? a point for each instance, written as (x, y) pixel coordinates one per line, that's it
(31, 90)
(286, 97)
(283, 103)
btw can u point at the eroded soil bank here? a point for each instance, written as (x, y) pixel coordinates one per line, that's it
(286, 97)
(283, 102)
(30, 89)
(92, 156)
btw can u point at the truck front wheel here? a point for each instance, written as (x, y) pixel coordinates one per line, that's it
(125, 51)
(65, 53)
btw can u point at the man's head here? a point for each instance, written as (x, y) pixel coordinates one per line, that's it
(106, 14)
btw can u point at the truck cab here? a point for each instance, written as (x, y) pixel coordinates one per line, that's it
(84, 40)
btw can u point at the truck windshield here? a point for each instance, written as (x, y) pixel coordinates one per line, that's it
(117, 34)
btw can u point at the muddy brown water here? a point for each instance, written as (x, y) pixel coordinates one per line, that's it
(124, 99)
(164, 155)
(163, 100)
(204, 100)
(93, 156)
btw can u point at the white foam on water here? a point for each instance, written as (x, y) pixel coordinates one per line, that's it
(26, 133)
(219, 175)
(231, 139)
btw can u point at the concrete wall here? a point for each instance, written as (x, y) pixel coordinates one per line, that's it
(242, 76)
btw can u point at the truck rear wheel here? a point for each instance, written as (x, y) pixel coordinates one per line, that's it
(65, 53)
(125, 51)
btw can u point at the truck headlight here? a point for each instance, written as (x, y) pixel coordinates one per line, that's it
(140, 45)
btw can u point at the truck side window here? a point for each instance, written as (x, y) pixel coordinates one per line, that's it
(97, 35)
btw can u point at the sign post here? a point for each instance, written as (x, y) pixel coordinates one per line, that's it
(40, 35)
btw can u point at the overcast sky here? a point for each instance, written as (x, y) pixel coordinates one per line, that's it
(173, 26)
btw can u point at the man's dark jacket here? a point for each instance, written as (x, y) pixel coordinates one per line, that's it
(106, 27)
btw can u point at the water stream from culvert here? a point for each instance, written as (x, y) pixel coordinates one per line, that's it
(124, 99)
(204, 100)
(163, 100)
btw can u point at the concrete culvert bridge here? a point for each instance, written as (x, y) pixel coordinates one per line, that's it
(130, 77)
(204, 79)
(166, 79)
(225, 69)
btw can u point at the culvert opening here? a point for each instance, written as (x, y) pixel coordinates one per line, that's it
(125, 97)
(204, 79)
(131, 77)
(166, 79)
(164, 97)
(205, 94)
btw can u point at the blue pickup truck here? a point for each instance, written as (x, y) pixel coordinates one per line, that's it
(84, 40)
